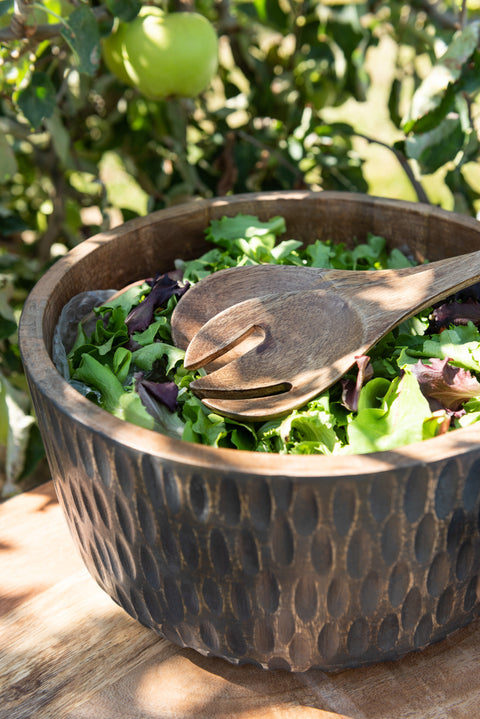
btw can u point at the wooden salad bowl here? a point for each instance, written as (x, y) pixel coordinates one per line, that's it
(282, 561)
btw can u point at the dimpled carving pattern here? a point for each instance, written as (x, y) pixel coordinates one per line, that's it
(281, 572)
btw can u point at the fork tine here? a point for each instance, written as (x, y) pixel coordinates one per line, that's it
(260, 408)
(223, 332)
(250, 375)
(207, 348)
(294, 358)
(253, 373)
(256, 409)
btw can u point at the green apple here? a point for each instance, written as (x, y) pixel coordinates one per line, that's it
(112, 45)
(112, 53)
(170, 54)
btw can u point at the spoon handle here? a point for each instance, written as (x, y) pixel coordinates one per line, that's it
(390, 297)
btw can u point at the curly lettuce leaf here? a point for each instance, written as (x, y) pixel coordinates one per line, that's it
(459, 344)
(125, 301)
(311, 430)
(205, 427)
(369, 255)
(243, 240)
(404, 417)
(227, 231)
(147, 356)
(450, 387)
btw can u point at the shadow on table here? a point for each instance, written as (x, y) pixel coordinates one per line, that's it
(185, 685)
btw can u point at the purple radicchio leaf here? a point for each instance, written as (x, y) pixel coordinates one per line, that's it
(444, 385)
(163, 287)
(351, 389)
(454, 313)
(151, 393)
(468, 293)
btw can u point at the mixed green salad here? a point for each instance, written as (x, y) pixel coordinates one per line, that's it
(418, 382)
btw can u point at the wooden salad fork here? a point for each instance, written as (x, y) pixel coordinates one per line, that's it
(308, 325)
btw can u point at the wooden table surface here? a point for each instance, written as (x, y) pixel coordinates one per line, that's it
(68, 651)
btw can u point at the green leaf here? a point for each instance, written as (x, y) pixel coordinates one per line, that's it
(373, 393)
(126, 10)
(82, 34)
(5, 6)
(314, 428)
(146, 356)
(431, 119)
(438, 146)
(397, 260)
(8, 161)
(319, 254)
(101, 377)
(126, 300)
(368, 254)
(460, 344)
(307, 431)
(7, 327)
(60, 138)
(37, 101)
(230, 229)
(398, 422)
(15, 426)
(10, 224)
(132, 410)
(160, 327)
(394, 100)
(123, 190)
(448, 70)
(267, 11)
(470, 80)
(201, 425)
(286, 251)
(121, 363)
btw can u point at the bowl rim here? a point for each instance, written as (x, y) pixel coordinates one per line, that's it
(43, 374)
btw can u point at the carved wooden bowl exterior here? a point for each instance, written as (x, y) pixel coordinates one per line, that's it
(283, 561)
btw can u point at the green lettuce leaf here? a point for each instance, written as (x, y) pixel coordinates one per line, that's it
(205, 427)
(307, 431)
(404, 417)
(460, 345)
(145, 357)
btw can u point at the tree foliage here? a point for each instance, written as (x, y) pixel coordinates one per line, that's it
(80, 150)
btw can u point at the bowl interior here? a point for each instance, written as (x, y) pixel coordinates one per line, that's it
(144, 246)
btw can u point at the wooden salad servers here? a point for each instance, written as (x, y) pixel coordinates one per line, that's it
(304, 327)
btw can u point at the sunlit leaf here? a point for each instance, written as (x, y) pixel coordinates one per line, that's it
(122, 189)
(8, 162)
(15, 431)
(434, 148)
(432, 91)
(60, 138)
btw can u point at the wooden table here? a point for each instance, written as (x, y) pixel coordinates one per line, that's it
(67, 651)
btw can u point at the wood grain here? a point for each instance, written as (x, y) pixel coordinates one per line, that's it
(313, 324)
(68, 652)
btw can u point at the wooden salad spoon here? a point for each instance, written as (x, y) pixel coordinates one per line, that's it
(308, 325)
